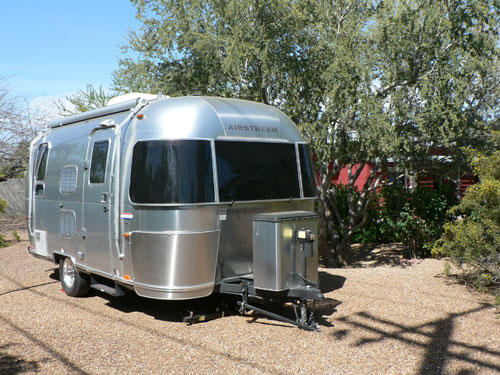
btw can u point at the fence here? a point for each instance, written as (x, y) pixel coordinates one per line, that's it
(13, 192)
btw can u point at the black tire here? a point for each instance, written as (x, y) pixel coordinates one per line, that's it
(73, 282)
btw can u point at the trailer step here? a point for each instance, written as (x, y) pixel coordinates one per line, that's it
(115, 291)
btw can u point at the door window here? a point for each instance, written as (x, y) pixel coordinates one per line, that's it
(99, 159)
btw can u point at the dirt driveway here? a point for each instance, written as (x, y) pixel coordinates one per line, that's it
(391, 320)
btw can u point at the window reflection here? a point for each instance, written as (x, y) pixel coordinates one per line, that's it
(307, 171)
(256, 171)
(178, 171)
(98, 165)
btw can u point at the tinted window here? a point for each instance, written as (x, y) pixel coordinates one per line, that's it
(172, 172)
(41, 161)
(39, 189)
(307, 171)
(98, 165)
(256, 171)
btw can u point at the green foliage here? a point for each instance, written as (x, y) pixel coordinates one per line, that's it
(3, 206)
(83, 101)
(413, 217)
(472, 239)
(367, 81)
(447, 269)
(16, 235)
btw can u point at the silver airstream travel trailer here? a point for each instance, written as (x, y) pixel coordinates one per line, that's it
(177, 198)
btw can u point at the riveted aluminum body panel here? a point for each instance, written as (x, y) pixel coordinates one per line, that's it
(236, 245)
(178, 264)
(277, 257)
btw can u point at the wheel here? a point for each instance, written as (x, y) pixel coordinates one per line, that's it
(73, 283)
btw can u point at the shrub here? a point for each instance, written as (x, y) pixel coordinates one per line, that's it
(472, 239)
(3, 206)
(415, 217)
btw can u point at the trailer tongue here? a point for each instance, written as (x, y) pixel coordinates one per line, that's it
(285, 265)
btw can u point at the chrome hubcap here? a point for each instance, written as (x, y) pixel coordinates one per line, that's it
(68, 273)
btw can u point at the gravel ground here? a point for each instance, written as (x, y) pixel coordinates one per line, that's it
(405, 319)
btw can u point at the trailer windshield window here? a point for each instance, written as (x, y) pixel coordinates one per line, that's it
(256, 171)
(178, 171)
(307, 171)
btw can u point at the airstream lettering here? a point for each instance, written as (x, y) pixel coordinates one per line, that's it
(253, 128)
(169, 198)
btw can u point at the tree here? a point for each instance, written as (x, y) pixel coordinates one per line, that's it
(422, 76)
(369, 83)
(19, 124)
(83, 101)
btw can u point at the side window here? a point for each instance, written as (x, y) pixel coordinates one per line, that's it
(41, 161)
(307, 171)
(40, 169)
(98, 165)
(67, 182)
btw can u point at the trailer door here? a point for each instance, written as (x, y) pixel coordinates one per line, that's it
(97, 223)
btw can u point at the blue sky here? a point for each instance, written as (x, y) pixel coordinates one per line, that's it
(54, 48)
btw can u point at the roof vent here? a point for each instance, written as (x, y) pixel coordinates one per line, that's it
(131, 96)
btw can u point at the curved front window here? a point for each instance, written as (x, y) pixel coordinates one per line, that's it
(176, 171)
(250, 171)
(307, 170)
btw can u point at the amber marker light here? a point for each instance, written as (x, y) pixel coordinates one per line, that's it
(126, 277)
(140, 116)
(126, 235)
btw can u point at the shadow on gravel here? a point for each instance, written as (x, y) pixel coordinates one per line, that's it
(12, 365)
(435, 337)
(27, 288)
(16, 365)
(172, 311)
(375, 255)
(214, 306)
(329, 283)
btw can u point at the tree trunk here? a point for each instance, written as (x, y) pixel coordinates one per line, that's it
(344, 250)
(323, 248)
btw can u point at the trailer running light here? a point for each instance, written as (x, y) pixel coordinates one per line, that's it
(140, 116)
(126, 235)
(126, 277)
